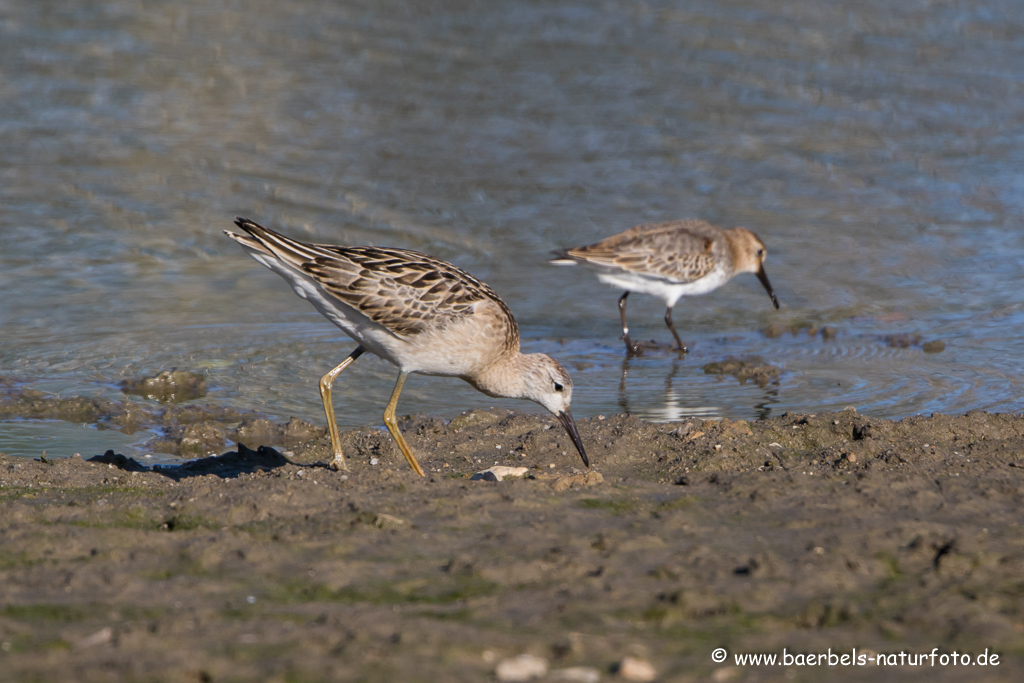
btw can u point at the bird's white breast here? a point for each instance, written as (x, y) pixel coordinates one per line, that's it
(665, 289)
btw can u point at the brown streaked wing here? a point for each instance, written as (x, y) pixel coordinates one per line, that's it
(681, 251)
(404, 291)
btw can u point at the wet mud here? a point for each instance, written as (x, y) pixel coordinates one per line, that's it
(752, 369)
(168, 386)
(902, 340)
(804, 532)
(187, 429)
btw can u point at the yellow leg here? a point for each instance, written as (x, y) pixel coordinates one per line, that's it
(392, 425)
(325, 394)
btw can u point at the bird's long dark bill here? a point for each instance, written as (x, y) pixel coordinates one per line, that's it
(763, 277)
(570, 426)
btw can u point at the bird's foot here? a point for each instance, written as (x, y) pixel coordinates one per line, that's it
(635, 349)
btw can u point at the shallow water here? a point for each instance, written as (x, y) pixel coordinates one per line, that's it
(875, 146)
(59, 439)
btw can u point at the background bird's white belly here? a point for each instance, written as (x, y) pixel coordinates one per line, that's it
(666, 289)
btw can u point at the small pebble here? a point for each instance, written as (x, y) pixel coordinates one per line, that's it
(374, 461)
(521, 668)
(499, 472)
(633, 669)
(388, 522)
(726, 673)
(101, 637)
(575, 674)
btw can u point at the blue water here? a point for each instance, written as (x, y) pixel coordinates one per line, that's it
(876, 147)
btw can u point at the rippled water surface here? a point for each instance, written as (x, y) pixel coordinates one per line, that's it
(877, 148)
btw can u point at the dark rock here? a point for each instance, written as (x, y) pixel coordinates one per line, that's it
(119, 461)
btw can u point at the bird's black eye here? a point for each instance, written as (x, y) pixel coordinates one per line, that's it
(558, 387)
(760, 253)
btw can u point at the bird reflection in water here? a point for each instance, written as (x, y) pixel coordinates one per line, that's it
(673, 405)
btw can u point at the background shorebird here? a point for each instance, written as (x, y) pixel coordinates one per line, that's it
(420, 313)
(670, 260)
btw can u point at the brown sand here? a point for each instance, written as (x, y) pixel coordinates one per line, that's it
(799, 532)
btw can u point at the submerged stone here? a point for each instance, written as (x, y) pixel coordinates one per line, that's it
(169, 386)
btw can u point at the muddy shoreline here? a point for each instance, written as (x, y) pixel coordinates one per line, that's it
(803, 532)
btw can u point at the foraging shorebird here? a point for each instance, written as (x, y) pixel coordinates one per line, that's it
(670, 260)
(420, 313)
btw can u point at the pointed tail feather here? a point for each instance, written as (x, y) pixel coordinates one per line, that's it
(562, 258)
(266, 241)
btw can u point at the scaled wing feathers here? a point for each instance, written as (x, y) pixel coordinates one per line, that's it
(404, 291)
(680, 251)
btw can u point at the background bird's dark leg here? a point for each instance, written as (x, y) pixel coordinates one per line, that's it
(668, 321)
(631, 349)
